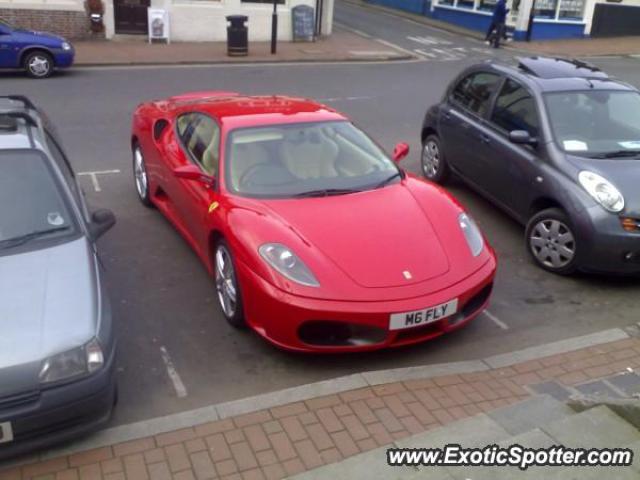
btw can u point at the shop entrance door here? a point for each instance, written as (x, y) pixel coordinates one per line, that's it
(131, 16)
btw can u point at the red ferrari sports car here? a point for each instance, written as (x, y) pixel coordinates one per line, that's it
(316, 239)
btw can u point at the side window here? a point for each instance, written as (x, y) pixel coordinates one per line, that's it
(200, 136)
(65, 168)
(474, 91)
(515, 109)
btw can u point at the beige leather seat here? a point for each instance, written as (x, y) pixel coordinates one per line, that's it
(210, 161)
(314, 157)
(243, 157)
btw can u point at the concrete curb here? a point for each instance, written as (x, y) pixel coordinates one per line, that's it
(363, 59)
(210, 413)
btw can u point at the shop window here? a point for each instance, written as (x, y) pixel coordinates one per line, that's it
(270, 2)
(545, 8)
(487, 5)
(445, 2)
(466, 4)
(571, 9)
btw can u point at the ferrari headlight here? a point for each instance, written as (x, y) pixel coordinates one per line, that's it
(72, 363)
(602, 191)
(471, 233)
(66, 46)
(288, 264)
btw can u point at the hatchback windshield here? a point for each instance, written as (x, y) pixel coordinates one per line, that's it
(32, 209)
(596, 123)
(310, 159)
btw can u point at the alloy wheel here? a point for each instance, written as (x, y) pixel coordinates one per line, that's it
(552, 243)
(39, 65)
(226, 282)
(140, 174)
(430, 159)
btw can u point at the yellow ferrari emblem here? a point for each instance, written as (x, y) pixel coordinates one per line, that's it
(213, 206)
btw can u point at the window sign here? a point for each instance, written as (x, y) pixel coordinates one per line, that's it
(158, 24)
(571, 9)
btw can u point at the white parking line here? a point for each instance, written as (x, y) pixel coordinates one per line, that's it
(496, 320)
(181, 390)
(94, 177)
(397, 47)
(425, 53)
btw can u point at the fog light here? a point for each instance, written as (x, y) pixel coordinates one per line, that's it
(630, 224)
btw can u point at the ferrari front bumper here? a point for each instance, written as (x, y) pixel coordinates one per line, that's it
(311, 325)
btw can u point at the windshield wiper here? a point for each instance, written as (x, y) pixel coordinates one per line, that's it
(618, 153)
(325, 192)
(22, 239)
(388, 179)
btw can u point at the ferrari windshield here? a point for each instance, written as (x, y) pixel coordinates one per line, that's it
(32, 209)
(308, 159)
(596, 123)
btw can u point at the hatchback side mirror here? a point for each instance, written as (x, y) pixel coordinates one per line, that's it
(522, 137)
(101, 221)
(192, 172)
(400, 151)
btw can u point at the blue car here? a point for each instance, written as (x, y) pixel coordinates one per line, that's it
(38, 53)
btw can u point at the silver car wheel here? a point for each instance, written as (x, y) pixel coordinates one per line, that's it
(140, 173)
(226, 282)
(552, 243)
(39, 65)
(430, 159)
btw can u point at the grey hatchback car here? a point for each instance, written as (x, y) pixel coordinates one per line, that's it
(57, 345)
(556, 144)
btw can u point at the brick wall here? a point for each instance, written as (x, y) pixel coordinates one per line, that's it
(70, 24)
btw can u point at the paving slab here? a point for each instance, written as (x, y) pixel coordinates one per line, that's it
(530, 413)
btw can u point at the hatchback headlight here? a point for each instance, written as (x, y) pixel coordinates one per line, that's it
(288, 264)
(472, 233)
(66, 46)
(72, 363)
(602, 191)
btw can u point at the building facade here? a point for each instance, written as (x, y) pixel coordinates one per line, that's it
(535, 19)
(189, 20)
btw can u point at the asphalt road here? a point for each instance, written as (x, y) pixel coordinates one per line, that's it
(163, 298)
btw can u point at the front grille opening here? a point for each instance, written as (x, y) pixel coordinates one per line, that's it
(477, 301)
(19, 399)
(326, 333)
(424, 331)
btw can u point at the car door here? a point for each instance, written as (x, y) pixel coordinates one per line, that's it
(199, 138)
(514, 167)
(462, 122)
(9, 49)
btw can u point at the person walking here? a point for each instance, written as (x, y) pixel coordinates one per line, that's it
(498, 28)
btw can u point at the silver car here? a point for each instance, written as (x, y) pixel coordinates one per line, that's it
(57, 344)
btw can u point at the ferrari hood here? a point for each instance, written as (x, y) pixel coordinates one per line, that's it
(378, 238)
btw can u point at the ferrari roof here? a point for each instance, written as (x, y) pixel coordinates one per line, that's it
(230, 107)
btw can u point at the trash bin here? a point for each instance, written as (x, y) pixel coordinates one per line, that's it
(237, 36)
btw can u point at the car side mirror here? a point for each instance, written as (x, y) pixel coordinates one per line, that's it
(400, 151)
(101, 221)
(522, 137)
(192, 172)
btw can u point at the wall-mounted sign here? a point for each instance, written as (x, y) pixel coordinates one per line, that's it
(304, 24)
(158, 24)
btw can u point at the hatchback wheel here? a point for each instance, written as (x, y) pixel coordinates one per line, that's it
(229, 296)
(434, 165)
(140, 176)
(38, 64)
(551, 241)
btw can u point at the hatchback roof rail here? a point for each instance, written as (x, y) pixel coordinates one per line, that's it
(20, 98)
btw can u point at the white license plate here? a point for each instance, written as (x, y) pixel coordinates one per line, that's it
(6, 432)
(418, 318)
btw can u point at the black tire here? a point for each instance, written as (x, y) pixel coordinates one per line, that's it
(433, 163)
(38, 64)
(550, 237)
(140, 176)
(236, 316)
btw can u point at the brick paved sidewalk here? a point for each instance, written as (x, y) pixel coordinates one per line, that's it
(285, 440)
(583, 47)
(340, 46)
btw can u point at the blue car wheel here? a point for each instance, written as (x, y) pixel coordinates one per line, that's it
(38, 64)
